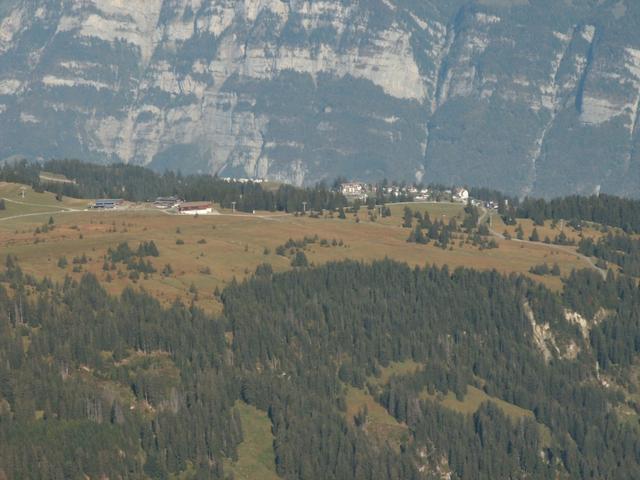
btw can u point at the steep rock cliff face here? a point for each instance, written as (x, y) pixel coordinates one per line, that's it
(530, 97)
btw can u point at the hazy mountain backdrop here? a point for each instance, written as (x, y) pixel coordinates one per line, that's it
(528, 96)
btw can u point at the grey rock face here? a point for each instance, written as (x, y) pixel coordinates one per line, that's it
(529, 97)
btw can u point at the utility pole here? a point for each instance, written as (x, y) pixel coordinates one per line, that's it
(304, 207)
(233, 207)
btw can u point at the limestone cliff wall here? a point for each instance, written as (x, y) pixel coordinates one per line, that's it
(532, 99)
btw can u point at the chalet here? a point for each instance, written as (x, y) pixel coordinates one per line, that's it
(460, 194)
(195, 208)
(167, 202)
(354, 190)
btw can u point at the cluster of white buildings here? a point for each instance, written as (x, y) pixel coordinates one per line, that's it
(413, 191)
(243, 180)
(353, 190)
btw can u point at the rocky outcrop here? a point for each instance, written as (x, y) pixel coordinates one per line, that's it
(530, 98)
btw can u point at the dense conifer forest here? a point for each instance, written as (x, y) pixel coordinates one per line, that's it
(620, 249)
(121, 387)
(603, 209)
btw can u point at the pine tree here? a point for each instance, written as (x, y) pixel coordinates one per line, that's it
(299, 259)
(407, 218)
(534, 236)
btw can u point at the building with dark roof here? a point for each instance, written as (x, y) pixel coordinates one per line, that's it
(108, 203)
(195, 208)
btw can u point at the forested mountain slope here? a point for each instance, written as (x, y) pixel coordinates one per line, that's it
(528, 96)
(136, 390)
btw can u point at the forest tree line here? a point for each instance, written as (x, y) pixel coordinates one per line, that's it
(137, 184)
(604, 209)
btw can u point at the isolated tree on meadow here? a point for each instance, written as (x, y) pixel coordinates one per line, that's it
(407, 218)
(534, 236)
(167, 270)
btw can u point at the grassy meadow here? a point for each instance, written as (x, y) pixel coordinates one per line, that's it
(256, 459)
(207, 252)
